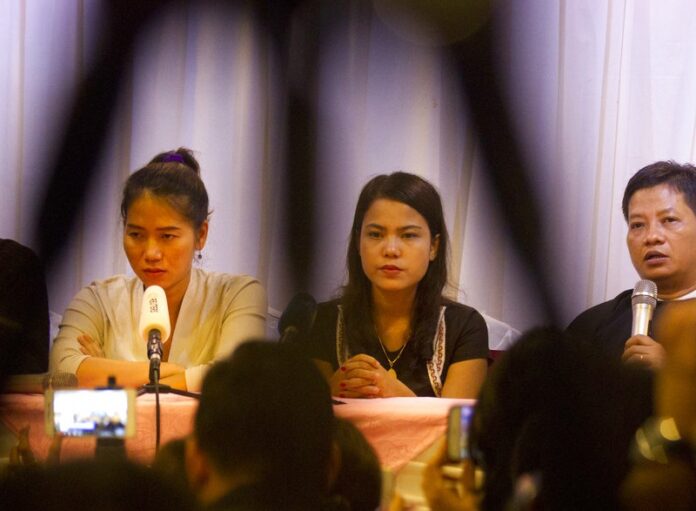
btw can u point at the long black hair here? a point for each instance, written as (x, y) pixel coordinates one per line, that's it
(356, 298)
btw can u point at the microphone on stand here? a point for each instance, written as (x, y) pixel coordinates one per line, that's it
(297, 318)
(154, 326)
(643, 303)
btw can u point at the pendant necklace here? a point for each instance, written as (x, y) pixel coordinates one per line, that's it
(391, 371)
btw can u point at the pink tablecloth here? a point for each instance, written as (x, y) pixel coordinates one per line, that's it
(176, 414)
(398, 428)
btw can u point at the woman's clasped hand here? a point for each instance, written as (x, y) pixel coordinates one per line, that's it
(362, 376)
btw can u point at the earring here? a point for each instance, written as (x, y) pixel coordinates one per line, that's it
(199, 255)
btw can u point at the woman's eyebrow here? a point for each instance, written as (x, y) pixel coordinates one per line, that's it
(164, 228)
(374, 225)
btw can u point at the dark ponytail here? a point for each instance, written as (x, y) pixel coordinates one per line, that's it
(175, 177)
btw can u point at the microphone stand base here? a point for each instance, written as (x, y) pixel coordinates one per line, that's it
(149, 388)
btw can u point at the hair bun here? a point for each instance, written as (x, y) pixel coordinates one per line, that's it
(181, 155)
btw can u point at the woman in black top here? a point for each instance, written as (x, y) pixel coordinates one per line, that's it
(392, 333)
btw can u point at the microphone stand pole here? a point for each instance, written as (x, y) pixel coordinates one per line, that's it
(154, 386)
(154, 352)
(154, 349)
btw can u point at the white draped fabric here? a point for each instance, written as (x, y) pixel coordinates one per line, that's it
(598, 89)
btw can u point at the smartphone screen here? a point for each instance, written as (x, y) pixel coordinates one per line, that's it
(458, 432)
(106, 413)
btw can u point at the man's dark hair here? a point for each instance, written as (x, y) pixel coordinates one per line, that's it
(557, 408)
(266, 412)
(359, 479)
(679, 177)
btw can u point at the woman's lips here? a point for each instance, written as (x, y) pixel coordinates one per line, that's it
(390, 269)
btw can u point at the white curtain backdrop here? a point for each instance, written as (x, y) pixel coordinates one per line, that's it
(598, 89)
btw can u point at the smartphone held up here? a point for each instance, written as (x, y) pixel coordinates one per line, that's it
(458, 424)
(102, 413)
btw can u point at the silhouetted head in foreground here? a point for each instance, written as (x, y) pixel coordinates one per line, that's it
(263, 430)
(558, 410)
(88, 486)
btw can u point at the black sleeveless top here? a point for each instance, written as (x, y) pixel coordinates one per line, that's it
(461, 335)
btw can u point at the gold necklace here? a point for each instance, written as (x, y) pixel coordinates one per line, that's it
(391, 371)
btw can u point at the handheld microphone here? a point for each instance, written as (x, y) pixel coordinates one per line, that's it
(643, 302)
(154, 326)
(298, 317)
